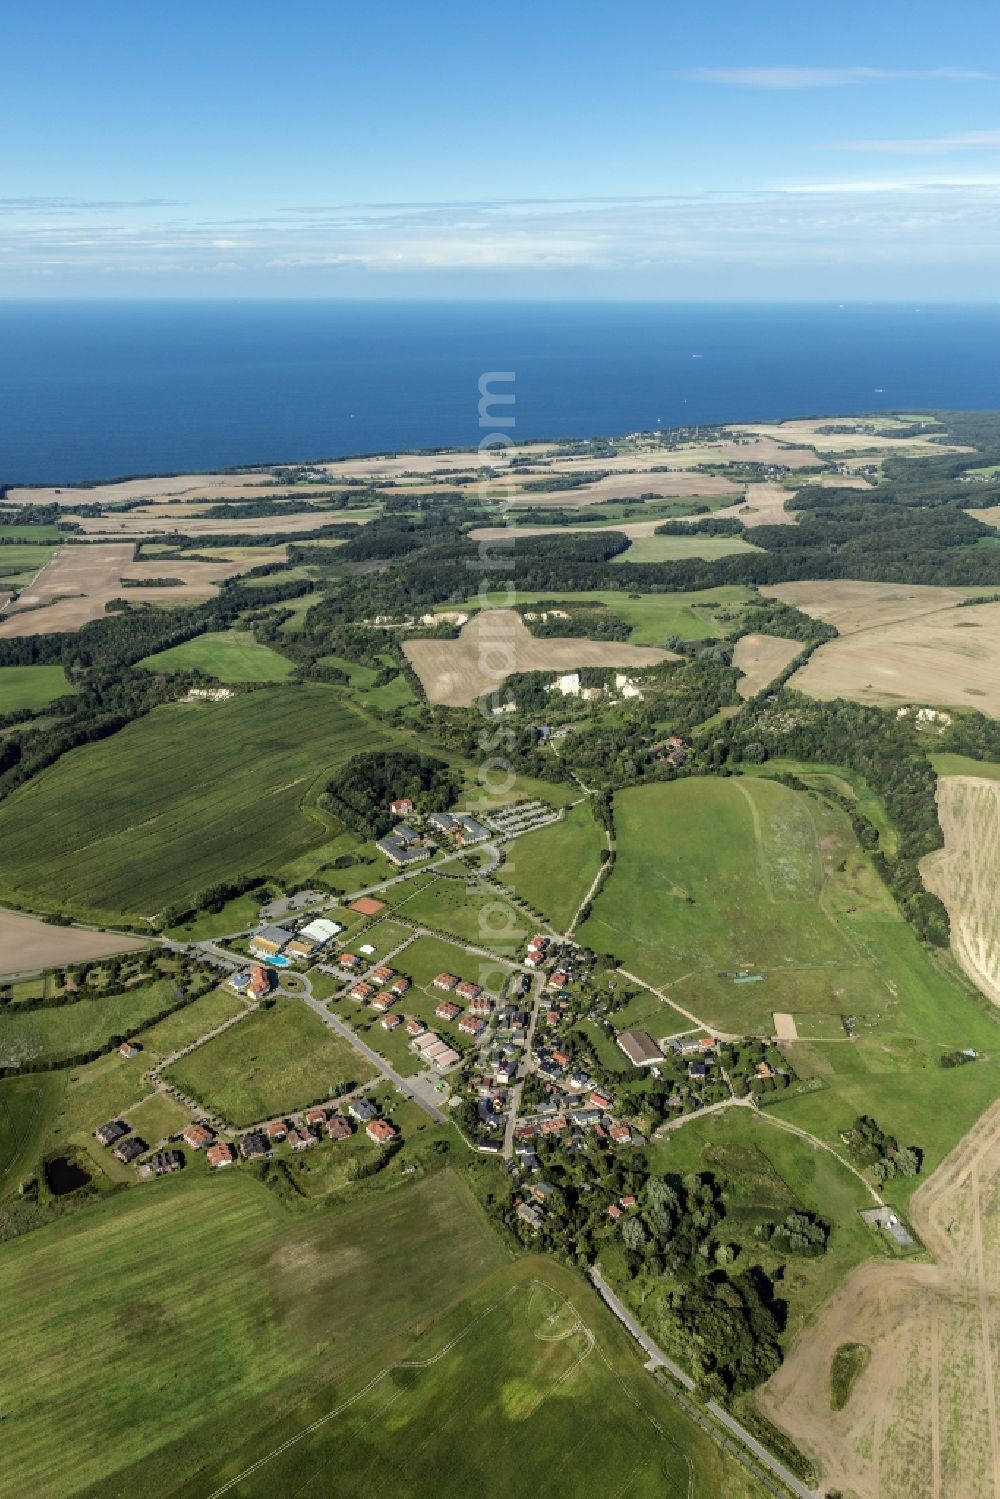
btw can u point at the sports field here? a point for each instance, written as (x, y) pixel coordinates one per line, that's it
(273, 1062)
(230, 655)
(231, 1311)
(30, 686)
(552, 869)
(188, 795)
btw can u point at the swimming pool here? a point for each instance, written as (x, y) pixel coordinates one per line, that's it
(278, 961)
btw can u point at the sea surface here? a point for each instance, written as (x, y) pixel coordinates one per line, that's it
(96, 390)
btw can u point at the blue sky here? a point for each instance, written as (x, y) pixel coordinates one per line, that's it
(547, 150)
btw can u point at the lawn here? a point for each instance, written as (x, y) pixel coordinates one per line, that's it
(553, 1401)
(653, 616)
(232, 1305)
(84, 1025)
(229, 655)
(30, 687)
(195, 1020)
(552, 869)
(188, 795)
(236, 916)
(480, 915)
(278, 1060)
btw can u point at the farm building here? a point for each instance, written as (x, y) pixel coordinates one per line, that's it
(640, 1048)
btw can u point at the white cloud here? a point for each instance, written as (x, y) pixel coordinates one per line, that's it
(782, 77)
(939, 145)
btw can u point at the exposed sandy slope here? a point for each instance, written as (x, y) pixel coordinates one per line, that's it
(850, 606)
(922, 1420)
(27, 944)
(761, 658)
(950, 659)
(965, 874)
(495, 643)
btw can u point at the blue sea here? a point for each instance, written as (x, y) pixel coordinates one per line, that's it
(94, 390)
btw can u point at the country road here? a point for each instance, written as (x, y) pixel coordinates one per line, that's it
(406, 1086)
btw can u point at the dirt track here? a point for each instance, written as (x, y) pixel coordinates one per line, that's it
(922, 1420)
(495, 643)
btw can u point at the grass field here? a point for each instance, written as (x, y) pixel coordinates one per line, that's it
(30, 687)
(194, 1020)
(552, 1402)
(85, 1025)
(20, 564)
(680, 548)
(276, 1061)
(232, 1305)
(553, 868)
(479, 915)
(962, 765)
(230, 655)
(26, 1104)
(186, 796)
(653, 616)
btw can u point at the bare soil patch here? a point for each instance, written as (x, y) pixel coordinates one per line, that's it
(27, 943)
(850, 606)
(495, 643)
(965, 874)
(921, 1422)
(784, 1027)
(949, 659)
(761, 658)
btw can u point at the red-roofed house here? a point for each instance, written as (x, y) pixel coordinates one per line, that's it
(381, 1131)
(338, 1128)
(445, 981)
(391, 1022)
(382, 973)
(599, 1100)
(415, 1027)
(399, 985)
(401, 806)
(277, 1131)
(361, 990)
(468, 991)
(445, 1010)
(197, 1136)
(220, 1155)
(316, 1118)
(383, 1002)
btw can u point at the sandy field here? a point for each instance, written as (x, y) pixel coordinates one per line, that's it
(81, 580)
(850, 606)
(950, 659)
(496, 643)
(922, 1420)
(763, 505)
(965, 874)
(807, 430)
(27, 943)
(629, 486)
(761, 658)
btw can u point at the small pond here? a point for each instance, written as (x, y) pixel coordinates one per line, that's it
(63, 1175)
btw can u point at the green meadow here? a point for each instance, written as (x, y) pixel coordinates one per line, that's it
(479, 915)
(553, 1402)
(232, 1309)
(30, 687)
(229, 655)
(553, 868)
(653, 616)
(87, 1024)
(275, 1061)
(680, 548)
(20, 564)
(188, 795)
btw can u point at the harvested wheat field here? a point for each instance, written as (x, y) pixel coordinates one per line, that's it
(761, 658)
(761, 505)
(27, 944)
(850, 606)
(965, 874)
(950, 659)
(662, 486)
(989, 517)
(256, 525)
(922, 1420)
(810, 430)
(495, 643)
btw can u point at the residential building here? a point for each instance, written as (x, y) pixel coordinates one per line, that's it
(399, 985)
(197, 1136)
(391, 1022)
(381, 1131)
(361, 1110)
(445, 1010)
(259, 982)
(445, 981)
(382, 973)
(441, 822)
(362, 991)
(127, 1150)
(301, 1139)
(481, 1005)
(315, 1118)
(532, 1216)
(110, 1132)
(468, 830)
(128, 1050)
(254, 1145)
(471, 1025)
(350, 960)
(600, 1100)
(383, 1002)
(338, 1128)
(415, 1027)
(161, 1163)
(277, 1131)
(468, 991)
(220, 1154)
(401, 807)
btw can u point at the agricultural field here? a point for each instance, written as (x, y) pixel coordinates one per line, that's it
(50, 1034)
(31, 687)
(575, 1412)
(27, 943)
(553, 868)
(181, 798)
(275, 1061)
(26, 1105)
(950, 659)
(229, 655)
(761, 658)
(851, 606)
(761, 505)
(141, 1413)
(965, 874)
(693, 615)
(20, 564)
(680, 548)
(495, 643)
(921, 1420)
